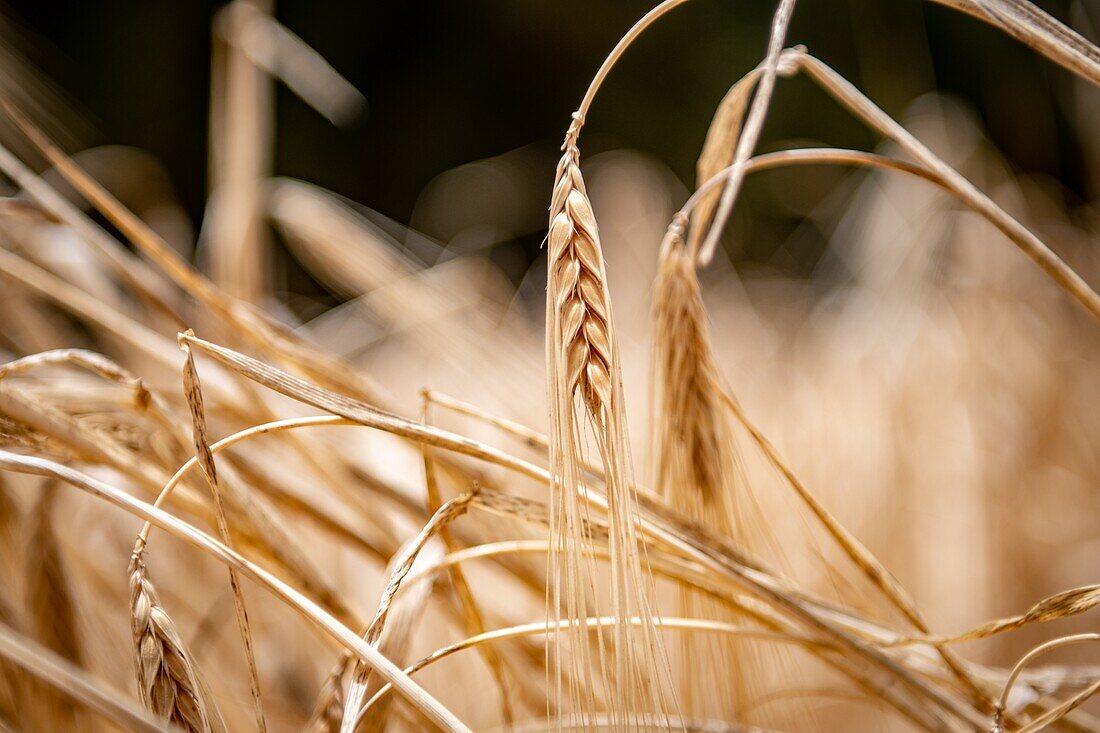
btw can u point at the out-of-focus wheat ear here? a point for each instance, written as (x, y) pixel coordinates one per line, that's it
(753, 124)
(585, 396)
(50, 606)
(399, 568)
(10, 675)
(718, 150)
(168, 680)
(698, 470)
(51, 617)
(328, 711)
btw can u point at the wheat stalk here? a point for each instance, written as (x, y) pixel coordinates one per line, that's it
(433, 711)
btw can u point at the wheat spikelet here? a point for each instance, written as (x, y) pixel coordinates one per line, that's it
(699, 472)
(585, 391)
(328, 711)
(168, 680)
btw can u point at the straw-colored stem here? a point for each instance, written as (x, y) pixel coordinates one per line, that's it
(746, 142)
(858, 103)
(428, 705)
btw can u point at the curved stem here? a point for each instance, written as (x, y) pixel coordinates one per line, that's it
(432, 709)
(1002, 702)
(270, 427)
(746, 141)
(874, 117)
(645, 21)
(811, 156)
(592, 624)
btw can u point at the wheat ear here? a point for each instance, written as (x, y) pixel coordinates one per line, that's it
(52, 615)
(328, 711)
(698, 470)
(168, 681)
(585, 390)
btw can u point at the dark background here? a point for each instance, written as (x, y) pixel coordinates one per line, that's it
(450, 81)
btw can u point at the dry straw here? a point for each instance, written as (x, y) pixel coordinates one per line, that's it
(597, 662)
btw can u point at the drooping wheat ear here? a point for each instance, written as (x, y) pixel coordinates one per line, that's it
(585, 390)
(692, 434)
(168, 681)
(699, 472)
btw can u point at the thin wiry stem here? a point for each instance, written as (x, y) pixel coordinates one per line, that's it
(1044, 648)
(858, 103)
(594, 624)
(605, 68)
(746, 143)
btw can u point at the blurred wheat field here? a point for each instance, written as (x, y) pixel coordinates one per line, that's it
(643, 488)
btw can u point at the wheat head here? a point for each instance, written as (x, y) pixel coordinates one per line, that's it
(585, 390)
(168, 680)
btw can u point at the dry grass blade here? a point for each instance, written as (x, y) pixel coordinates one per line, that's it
(402, 564)
(842, 90)
(274, 48)
(645, 723)
(1003, 702)
(192, 391)
(168, 680)
(72, 681)
(475, 622)
(128, 268)
(242, 131)
(429, 706)
(593, 625)
(1028, 23)
(746, 141)
(655, 521)
(863, 558)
